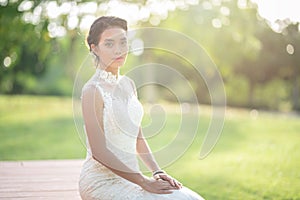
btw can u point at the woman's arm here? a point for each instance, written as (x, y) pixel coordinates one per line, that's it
(147, 157)
(92, 109)
(145, 153)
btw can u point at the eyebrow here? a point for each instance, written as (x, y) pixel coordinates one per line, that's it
(109, 40)
(112, 40)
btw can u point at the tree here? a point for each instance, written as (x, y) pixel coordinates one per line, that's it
(24, 48)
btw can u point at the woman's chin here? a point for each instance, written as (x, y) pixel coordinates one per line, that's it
(117, 64)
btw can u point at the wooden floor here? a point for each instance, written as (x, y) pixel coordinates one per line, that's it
(51, 179)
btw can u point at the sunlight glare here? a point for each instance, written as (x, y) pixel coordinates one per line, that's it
(52, 10)
(25, 5)
(225, 11)
(216, 23)
(65, 8)
(88, 8)
(279, 10)
(144, 14)
(72, 22)
(290, 49)
(154, 20)
(86, 22)
(3, 2)
(242, 4)
(216, 2)
(7, 61)
(56, 30)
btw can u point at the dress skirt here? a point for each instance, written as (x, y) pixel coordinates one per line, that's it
(99, 183)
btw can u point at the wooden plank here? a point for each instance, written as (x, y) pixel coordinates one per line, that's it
(43, 179)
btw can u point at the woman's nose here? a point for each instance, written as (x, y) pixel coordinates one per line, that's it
(118, 49)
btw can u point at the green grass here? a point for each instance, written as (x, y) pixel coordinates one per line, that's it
(255, 157)
(37, 128)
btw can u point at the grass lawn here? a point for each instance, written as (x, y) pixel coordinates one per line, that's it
(256, 157)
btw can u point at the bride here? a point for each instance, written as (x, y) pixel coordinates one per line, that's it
(112, 117)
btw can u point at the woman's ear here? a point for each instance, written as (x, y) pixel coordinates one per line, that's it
(94, 49)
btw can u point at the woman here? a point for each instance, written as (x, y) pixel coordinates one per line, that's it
(112, 116)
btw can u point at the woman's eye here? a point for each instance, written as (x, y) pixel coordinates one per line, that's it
(124, 43)
(109, 44)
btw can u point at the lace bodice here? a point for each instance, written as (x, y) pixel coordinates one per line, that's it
(122, 114)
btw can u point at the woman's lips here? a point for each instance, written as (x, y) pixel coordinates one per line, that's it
(119, 58)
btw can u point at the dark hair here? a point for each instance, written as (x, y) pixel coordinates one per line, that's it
(100, 25)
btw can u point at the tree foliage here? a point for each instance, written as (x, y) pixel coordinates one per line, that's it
(24, 51)
(40, 53)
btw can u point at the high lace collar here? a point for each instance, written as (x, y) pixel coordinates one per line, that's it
(107, 76)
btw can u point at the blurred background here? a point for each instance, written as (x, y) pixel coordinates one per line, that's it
(254, 44)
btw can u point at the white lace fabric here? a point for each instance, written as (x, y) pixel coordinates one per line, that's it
(107, 76)
(122, 115)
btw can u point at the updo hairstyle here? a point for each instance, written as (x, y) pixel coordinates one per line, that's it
(100, 25)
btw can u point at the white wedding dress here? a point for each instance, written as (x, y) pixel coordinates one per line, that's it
(122, 115)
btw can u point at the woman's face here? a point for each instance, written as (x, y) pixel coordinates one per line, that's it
(112, 48)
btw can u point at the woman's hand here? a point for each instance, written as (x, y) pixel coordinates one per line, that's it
(158, 186)
(173, 182)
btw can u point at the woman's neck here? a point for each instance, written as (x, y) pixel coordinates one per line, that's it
(114, 71)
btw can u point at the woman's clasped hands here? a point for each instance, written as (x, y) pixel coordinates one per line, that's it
(161, 183)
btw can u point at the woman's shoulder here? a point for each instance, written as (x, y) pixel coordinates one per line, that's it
(91, 87)
(91, 93)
